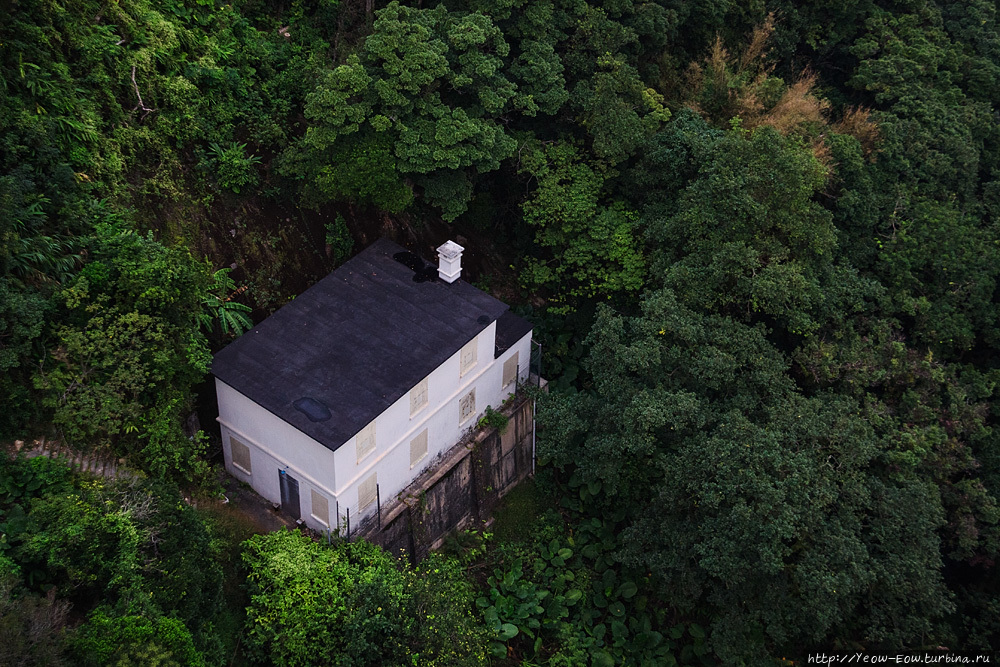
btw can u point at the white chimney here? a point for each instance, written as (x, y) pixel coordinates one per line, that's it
(450, 262)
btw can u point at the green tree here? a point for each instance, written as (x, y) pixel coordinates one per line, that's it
(750, 498)
(591, 245)
(432, 81)
(351, 604)
(310, 603)
(125, 552)
(129, 352)
(746, 236)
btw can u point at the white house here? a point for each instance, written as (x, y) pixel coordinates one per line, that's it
(355, 386)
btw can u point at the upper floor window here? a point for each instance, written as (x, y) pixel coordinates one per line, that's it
(510, 370)
(366, 441)
(418, 397)
(468, 356)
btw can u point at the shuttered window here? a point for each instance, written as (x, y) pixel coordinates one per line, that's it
(418, 448)
(366, 492)
(510, 370)
(468, 356)
(467, 406)
(320, 507)
(366, 441)
(241, 455)
(418, 397)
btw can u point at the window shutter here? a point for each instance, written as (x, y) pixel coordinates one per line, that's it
(418, 448)
(367, 491)
(510, 370)
(366, 441)
(467, 406)
(468, 356)
(241, 455)
(418, 397)
(320, 507)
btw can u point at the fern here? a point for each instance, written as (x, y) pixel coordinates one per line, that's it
(220, 307)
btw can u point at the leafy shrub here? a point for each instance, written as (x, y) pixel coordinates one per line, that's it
(108, 639)
(310, 604)
(494, 419)
(351, 605)
(234, 169)
(338, 237)
(565, 599)
(131, 546)
(447, 631)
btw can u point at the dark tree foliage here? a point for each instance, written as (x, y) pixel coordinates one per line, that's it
(130, 556)
(759, 240)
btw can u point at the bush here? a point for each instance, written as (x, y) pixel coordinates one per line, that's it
(447, 631)
(310, 604)
(351, 605)
(107, 639)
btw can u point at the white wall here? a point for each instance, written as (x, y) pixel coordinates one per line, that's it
(276, 444)
(395, 428)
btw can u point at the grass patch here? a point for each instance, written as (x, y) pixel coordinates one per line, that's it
(517, 514)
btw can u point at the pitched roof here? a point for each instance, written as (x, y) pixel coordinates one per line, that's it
(354, 343)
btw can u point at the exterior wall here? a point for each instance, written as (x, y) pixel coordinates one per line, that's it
(275, 445)
(395, 428)
(461, 491)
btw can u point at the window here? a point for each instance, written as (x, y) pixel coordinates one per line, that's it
(510, 370)
(467, 406)
(418, 448)
(367, 492)
(366, 441)
(241, 455)
(468, 356)
(320, 507)
(418, 397)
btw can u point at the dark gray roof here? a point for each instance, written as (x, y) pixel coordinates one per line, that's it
(354, 342)
(510, 329)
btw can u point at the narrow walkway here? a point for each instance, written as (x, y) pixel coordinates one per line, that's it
(101, 464)
(239, 499)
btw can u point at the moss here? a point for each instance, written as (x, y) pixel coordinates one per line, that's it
(517, 514)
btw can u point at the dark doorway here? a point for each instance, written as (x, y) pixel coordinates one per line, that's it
(289, 494)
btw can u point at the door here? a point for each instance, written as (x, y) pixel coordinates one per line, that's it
(289, 494)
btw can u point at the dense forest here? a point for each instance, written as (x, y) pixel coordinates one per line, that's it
(759, 242)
